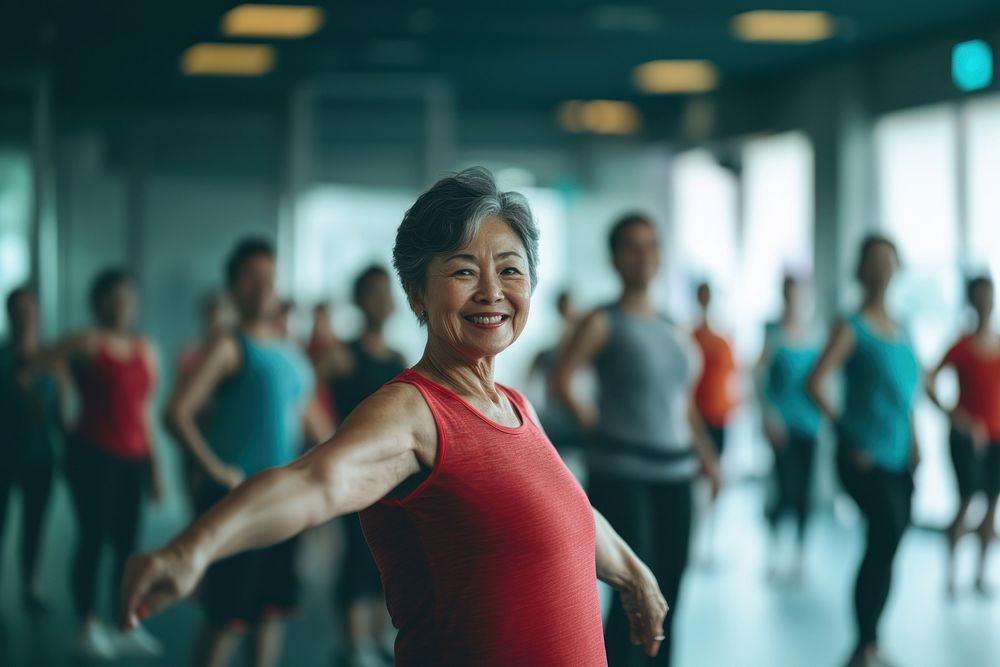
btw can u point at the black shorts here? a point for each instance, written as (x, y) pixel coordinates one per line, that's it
(975, 469)
(717, 434)
(243, 590)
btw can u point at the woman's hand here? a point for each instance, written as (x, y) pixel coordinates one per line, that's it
(971, 426)
(646, 609)
(155, 580)
(775, 432)
(713, 472)
(586, 417)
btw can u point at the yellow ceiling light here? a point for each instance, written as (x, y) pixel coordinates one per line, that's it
(599, 117)
(785, 27)
(281, 21)
(569, 116)
(676, 76)
(209, 59)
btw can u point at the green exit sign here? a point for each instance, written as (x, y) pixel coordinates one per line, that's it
(972, 65)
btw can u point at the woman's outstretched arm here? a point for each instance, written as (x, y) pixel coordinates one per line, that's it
(386, 439)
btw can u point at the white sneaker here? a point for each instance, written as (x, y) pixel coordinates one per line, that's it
(94, 641)
(137, 643)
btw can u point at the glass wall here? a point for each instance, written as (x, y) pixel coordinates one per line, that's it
(935, 165)
(15, 222)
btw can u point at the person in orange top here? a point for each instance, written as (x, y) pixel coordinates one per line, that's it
(975, 423)
(713, 394)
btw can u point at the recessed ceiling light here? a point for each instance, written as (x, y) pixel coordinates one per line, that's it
(287, 21)
(208, 59)
(784, 27)
(676, 76)
(599, 117)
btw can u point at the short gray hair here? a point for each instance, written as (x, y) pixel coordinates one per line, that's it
(447, 216)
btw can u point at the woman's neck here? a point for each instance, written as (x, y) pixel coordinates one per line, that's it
(258, 328)
(874, 304)
(982, 325)
(25, 345)
(472, 378)
(115, 330)
(635, 299)
(373, 341)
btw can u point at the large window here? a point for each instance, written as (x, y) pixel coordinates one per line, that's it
(705, 209)
(743, 248)
(982, 130)
(918, 207)
(778, 227)
(15, 223)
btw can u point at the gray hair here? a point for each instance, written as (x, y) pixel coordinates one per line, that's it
(447, 216)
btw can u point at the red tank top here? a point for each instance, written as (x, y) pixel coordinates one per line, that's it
(490, 561)
(113, 396)
(979, 384)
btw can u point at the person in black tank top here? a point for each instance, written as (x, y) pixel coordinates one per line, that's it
(353, 372)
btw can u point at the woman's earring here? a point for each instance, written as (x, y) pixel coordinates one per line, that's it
(423, 315)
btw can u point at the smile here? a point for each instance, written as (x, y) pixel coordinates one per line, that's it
(487, 320)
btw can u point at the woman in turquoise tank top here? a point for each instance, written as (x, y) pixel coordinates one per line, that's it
(791, 420)
(260, 387)
(877, 449)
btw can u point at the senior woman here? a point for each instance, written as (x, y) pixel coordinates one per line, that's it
(486, 544)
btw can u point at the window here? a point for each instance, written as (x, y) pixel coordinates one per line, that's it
(916, 160)
(15, 223)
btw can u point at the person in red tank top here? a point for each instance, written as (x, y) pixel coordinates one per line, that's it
(110, 463)
(975, 424)
(489, 550)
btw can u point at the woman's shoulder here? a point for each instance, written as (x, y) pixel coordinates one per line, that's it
(402, 407)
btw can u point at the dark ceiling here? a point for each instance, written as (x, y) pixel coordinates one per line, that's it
(513, 54)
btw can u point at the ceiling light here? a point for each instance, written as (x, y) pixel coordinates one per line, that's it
(288, 21)
(569, 116)
(599, 117)
(783, 26)
(676, 76)
(208, 59)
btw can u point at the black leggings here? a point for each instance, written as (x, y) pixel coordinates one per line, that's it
(793, 466)
(107, 496)
(884, 498)
(654, 518)
(34, 478)
(359, 577)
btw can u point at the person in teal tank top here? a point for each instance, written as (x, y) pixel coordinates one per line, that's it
(880, 382)
(877, 450)
(260, 387)
(791, 420)
(273, 383)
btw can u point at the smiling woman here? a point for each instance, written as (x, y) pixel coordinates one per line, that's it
(488, 548)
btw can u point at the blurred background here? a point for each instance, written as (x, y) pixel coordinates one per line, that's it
(157, 134)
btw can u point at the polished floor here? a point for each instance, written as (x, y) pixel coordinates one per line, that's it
(729, 615)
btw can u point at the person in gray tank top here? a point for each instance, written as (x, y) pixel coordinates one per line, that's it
(647, 441)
